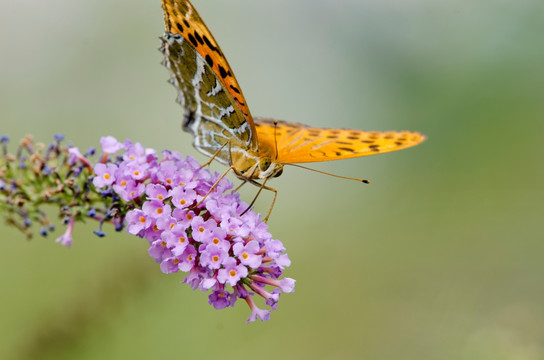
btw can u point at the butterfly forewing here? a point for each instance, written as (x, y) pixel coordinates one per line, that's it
(181, 18)
(298, 143)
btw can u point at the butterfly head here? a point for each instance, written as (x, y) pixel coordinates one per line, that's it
(268, 168)
(256, 167)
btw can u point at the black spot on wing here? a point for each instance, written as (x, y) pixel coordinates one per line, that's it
(209, 60)
(178, 25)
(210, 45)
(198, 38)
(224, 73)
(193, 40)
(345, 149)
(186, 23)
(235, 89)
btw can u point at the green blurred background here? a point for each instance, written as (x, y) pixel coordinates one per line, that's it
(440, 257)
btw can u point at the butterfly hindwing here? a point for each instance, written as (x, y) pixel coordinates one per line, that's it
(181, 18)
(211, 115)
(298, 143)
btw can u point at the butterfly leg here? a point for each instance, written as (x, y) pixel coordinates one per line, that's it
(261, 187)
(214, 155)
(213, 187)
(240, 186)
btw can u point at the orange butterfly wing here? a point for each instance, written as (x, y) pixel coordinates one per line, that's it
(181, 18)
(298, 143)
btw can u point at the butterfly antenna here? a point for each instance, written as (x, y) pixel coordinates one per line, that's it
(326, 173)
(275, 139)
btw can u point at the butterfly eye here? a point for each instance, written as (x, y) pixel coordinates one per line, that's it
(264, 164)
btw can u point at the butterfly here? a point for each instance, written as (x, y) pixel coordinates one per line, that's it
(217, 115)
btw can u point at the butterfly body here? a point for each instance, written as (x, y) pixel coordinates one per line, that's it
(218, 117)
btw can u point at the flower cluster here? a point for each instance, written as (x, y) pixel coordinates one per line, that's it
(193, 221)
(195, 225)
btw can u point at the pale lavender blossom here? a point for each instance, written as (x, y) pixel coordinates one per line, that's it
(248, 253)
(110, 145)
(104, 174)
(232, 272)
(213, 257)
(66, 238)
(156, 192)
(219, 299)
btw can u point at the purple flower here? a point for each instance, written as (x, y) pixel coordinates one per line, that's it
(166, 222)
(219, 299)
(182, 198)
(286, 285)
(137, 221)
(104, 174)
(159, 251)
(66, 238)
(203, 229)
(231, 273)
(247, 254)
(110, 145)
(170, 265)
(136, 170)
(188, 258)
(75, 156)
(256, 312)
(176, 240)
(156, 209)
(128, 189)
(213, 257)
(271, 299)
(156, 192)
(134, 152)
(274, 248)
